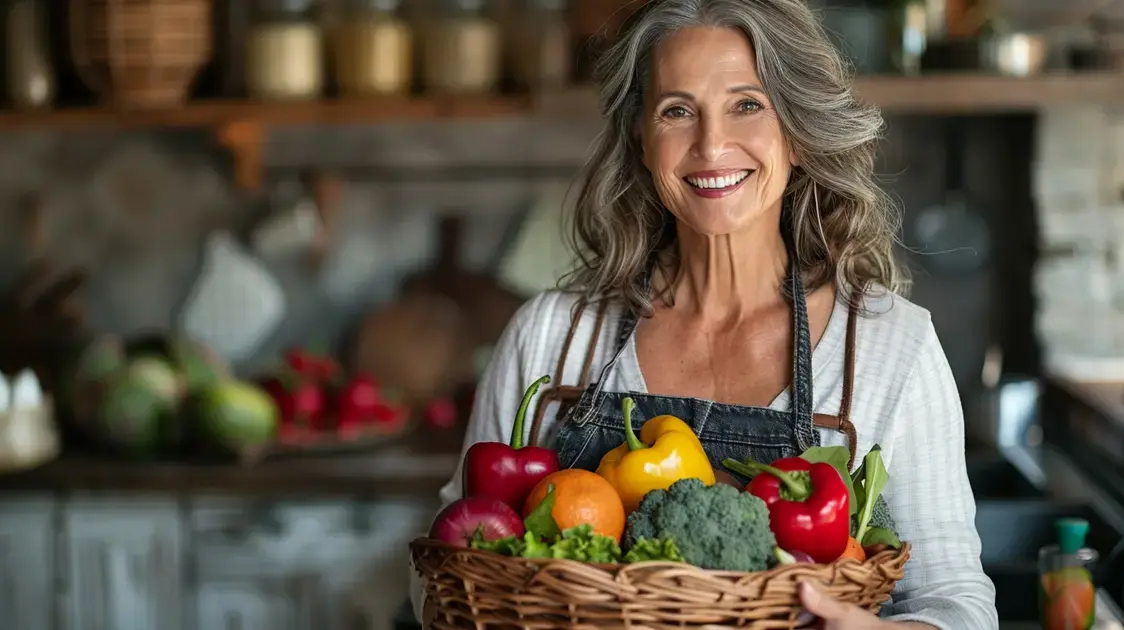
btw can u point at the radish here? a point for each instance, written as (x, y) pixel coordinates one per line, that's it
(441, 413)
(300, 402)
(463, 520)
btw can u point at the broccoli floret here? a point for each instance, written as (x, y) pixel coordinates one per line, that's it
(715, 527)
(879, 517)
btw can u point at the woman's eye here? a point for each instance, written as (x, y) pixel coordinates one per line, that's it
(676, 112)
(748, 107)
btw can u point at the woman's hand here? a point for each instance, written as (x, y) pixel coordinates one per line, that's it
(836, 615)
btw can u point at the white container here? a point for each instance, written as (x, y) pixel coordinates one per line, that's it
(285, 52)
(285, 61)
(28, 436)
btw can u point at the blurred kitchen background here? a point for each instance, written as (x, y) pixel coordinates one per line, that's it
(340, 204)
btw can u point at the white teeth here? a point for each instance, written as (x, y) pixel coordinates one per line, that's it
(725, 181)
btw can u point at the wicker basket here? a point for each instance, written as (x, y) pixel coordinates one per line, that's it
(140, 53)
(477, 589)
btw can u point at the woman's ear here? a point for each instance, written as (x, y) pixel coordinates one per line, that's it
(793, 159)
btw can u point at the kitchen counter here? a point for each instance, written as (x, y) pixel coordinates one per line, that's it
(1087, 421)
(299, 543)
(418, 466)
(1107, 397)
(1108, 618)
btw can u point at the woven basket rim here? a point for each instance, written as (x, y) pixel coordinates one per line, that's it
(422, 542)
(470, 588)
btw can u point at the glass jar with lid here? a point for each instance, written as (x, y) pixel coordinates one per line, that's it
(284, 51)
(539, 50)
(463, 49)
(373, 49)
(30, 76)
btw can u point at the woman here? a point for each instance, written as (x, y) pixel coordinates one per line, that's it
(736, 271)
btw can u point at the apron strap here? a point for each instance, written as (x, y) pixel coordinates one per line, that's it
(569, 393)
(842, 422)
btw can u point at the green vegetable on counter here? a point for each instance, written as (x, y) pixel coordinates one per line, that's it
(235, 414)
(715, 527)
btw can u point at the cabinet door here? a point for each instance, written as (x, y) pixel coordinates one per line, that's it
(124, 565)
(27, 564)
(250, 603)
(249, 572)
(302, 565)
(373, 578)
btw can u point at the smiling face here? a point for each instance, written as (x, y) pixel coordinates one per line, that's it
(711, 138)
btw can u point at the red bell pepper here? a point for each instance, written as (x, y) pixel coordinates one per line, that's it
(509, 472)
(809, 504)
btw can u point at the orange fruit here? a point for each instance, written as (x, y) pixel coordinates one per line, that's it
(581, 497)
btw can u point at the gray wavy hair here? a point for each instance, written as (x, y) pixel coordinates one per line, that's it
(842, 225)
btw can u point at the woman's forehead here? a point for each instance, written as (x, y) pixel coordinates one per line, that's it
(703, 58)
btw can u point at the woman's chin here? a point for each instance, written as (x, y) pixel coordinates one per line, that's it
(714, 224)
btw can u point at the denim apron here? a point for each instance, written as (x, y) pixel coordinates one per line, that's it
(591, 421)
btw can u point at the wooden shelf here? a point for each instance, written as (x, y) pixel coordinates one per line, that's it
(216, 113)
(241, 125)
(932, 94)
(953, 93)
(980, 94)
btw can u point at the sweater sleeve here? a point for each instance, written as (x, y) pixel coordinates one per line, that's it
(498, 395)
(934, 508)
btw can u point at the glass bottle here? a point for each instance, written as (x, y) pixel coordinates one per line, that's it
(284, 51)
(1066, 589)
(463, 49)
(539, 54)
(30, 77)
(910, 26)
(373, 49)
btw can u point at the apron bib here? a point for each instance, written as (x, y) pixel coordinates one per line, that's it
(591, 421)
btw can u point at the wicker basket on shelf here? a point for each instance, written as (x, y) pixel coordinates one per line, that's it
(478, 589)
(140, 53)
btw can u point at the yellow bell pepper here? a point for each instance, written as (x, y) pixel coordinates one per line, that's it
(666, 451)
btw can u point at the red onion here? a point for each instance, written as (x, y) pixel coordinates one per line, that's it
(802, 558)
(792, 557)
(462, 520)
(805, 619)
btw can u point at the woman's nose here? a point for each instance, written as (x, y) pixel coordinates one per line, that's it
(712, 138)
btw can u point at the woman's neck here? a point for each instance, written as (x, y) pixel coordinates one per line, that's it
(731, 276)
